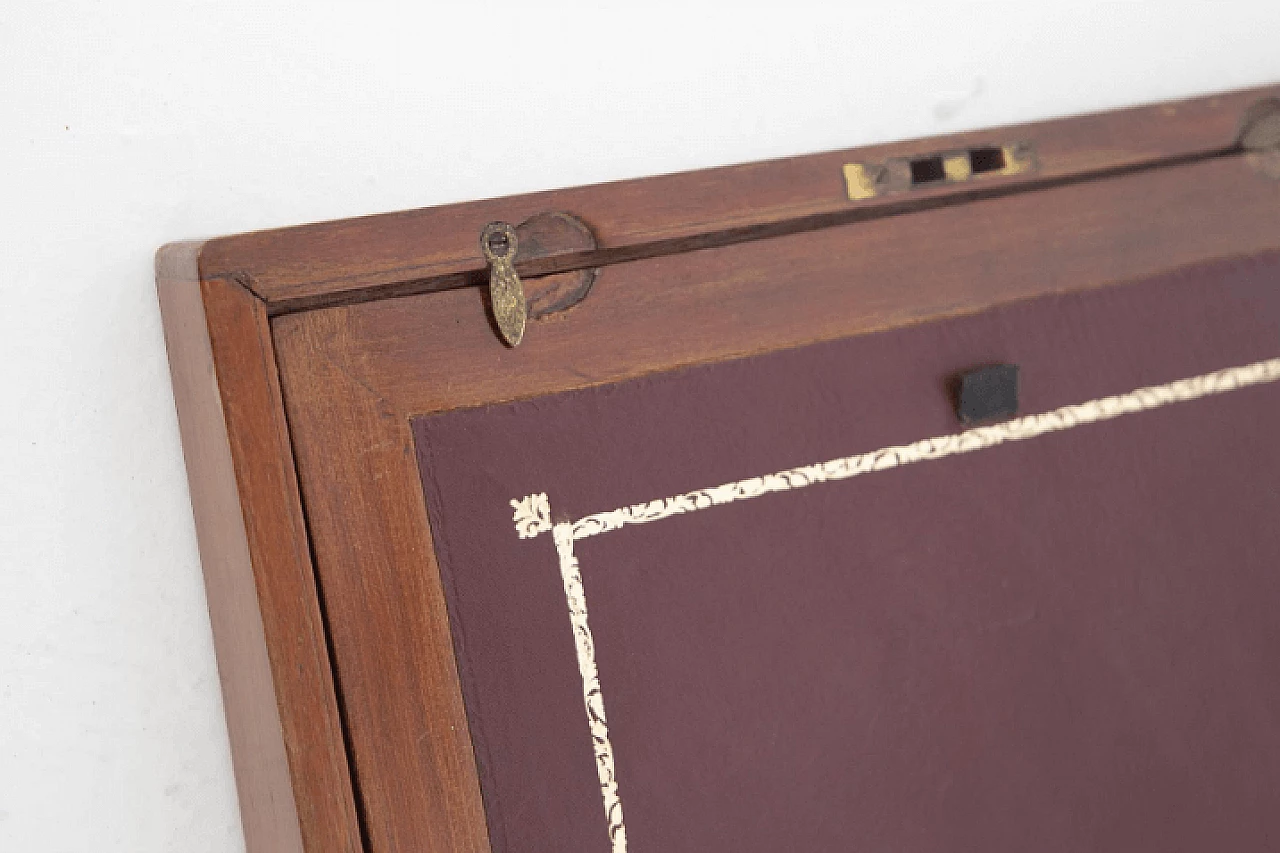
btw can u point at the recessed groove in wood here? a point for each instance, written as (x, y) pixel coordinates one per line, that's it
(927, 170)
(416, 250)
(601, 258)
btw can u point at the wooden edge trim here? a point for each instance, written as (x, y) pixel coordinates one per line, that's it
(287, 741)
(436, 248)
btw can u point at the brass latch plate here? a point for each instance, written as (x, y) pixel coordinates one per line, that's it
(900, 174)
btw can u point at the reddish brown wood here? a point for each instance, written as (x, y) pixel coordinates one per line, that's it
(434, 352)
(282, 715)
(393, 650)
(355, 375)
(551, 234)
(433, 248)
(1167, 188)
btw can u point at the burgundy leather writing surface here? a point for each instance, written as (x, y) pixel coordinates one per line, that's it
(1060, 644)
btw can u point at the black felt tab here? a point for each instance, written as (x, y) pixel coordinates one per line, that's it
(988, 394)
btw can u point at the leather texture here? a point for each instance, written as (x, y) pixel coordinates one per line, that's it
(1064, 644)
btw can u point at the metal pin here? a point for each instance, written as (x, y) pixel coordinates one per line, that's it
(499, 244)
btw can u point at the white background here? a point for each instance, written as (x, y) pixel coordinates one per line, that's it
(125, 125)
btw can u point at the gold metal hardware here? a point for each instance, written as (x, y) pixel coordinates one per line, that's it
(956, 167)
(860, 180)
(499, 243)
(900, 174)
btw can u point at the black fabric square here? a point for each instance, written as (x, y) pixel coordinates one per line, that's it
(988, 394)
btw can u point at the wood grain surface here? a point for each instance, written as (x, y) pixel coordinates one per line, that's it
(436, 248)
(282, 714)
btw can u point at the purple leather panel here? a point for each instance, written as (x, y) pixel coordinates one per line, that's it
(1070, 643)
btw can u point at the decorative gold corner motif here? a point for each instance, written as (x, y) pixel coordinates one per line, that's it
(532, 515)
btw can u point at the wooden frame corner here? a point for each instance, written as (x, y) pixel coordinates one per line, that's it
(291, 770)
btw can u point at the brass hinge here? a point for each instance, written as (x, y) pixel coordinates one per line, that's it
(899, 174)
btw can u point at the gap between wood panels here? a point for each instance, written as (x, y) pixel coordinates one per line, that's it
(598, 258)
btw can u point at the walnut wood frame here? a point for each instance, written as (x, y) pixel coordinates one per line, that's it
(300, 355)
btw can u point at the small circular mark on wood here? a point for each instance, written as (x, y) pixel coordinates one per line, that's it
(555, 233)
